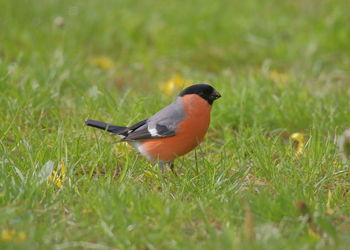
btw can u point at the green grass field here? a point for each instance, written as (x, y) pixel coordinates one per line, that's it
(281, 66)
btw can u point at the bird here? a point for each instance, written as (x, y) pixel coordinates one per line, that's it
(174, 130)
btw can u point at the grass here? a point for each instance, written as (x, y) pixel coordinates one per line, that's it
(281, 67)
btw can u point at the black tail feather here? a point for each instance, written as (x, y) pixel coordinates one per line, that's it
(104, 126)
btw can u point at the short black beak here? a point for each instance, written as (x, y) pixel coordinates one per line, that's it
(216, 95)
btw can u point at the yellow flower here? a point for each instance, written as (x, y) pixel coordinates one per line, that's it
(22, 236)
(300, 141)
(12, 235)
(175, 84)
(101, 62)
(59, 176)
(7, 234)
(277, 77)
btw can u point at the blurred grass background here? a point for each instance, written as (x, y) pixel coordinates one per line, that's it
(281, 66)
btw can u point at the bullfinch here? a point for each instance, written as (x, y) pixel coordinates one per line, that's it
(173, 131)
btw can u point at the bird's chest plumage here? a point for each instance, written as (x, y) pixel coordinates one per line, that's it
(195, 125)
(189, 133)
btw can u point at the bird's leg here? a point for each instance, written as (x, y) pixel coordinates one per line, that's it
(172, 167)
(161, 166)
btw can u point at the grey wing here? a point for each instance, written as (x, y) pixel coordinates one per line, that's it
(162, 124)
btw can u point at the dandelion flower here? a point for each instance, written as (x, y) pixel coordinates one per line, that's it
(12, 235)
(59, 176)
(101, 62)
(300, 142)
(7, 234)
(175, 84)
(22, 236)
(278, 77)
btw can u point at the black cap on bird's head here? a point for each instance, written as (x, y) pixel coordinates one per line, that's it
(205, 91)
